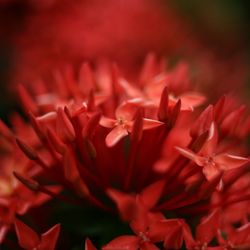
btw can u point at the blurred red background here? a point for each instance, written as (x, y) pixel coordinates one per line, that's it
(37, 37)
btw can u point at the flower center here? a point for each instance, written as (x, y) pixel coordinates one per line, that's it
(143, 237)
(121, 122)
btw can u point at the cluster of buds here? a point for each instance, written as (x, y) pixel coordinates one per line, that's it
(149, 149)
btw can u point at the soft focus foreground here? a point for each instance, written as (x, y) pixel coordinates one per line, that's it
(148, 164)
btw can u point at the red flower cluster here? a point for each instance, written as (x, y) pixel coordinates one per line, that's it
(142, 149)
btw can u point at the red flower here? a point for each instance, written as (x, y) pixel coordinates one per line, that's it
(103, 147)
(125, 118)
(213, 164)
(149, 227)
(205, 232)
(30, 240)
(155, 82)
(15, 198)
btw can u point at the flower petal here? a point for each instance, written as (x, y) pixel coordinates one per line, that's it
(27, 238)
(64, 126)
(89, 245)
(174, 239)
(90, 126)
(149, 123)
(192, 99)
(107, 122)
(149, 246)
(115, 135)
(151, 194)
(3, 231)
(127, 110)
(203, 122)
(49, 239)
(208, 227)
(130, 90)
(210, 145)
(159, 230)
(211, 171)
(188, 237)
(228, 161)
(125, 242)
(126, 204)
(191, 155)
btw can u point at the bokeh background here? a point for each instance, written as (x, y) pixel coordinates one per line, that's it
(37, 37)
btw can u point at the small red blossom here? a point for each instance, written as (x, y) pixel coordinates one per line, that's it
(30, 240)
(211, 162)
(125, 117)
(156, 230)
(150, 92)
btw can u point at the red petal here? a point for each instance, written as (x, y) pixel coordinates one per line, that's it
(149, 123)
(231, 122)
(91, 125)
(211, 171)
(49, 239)
(125, 242)
(191, 155)
(107, 122)
(27, 102)
(159, 230)
(192, 99)
(174, 239)
(187, 235)
(115, 135)
(137, 127)
(219, 109)
(207, 229)
(208, 187)
(228, 161)
(89, 245)
(141, 218)
(36, 126)
(126, 111)
(151, 194)
(163, 107)
(175, 113)
(3, 231)
(203, 122)
(70, 166)
(48, 117)
(42, 198)
(126, 204)
(100, 98)
(91, 101)
(27, 238)
(148, 246)
(64, 127)
(58, 145)
(130, 89)
(210, 145)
